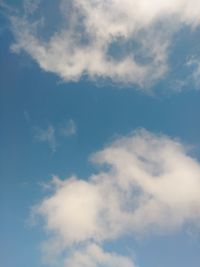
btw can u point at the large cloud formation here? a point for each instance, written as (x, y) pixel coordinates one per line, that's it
(145, 180)
(125, 41)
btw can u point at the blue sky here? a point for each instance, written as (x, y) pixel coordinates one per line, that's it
(113, 103)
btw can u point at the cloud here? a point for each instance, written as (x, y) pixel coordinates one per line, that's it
(46, 136)
(50, 134)
(31, 6)
(194, 64)
(69, 128)
(27, 116)
(93, 255)
(145, 180)
(127, 42)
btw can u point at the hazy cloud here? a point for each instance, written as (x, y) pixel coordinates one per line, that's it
(51, 134)
(46, 136)
(69, 128)
(31, 6)
(194, 64)
(27, 116)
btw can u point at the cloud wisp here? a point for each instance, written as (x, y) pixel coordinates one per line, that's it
(68, 129)
(127, 42)
(51, 134)
(46, 136)
(145, 180)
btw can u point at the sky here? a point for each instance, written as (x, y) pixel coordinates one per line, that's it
(100, 133)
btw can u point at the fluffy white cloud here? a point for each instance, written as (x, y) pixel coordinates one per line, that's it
(149, 185)
(125, 41)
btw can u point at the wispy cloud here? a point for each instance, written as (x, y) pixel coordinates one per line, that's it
(127, 42)
(194, 63)
(69, 128)
(31, 6)
(51, 134)
(47, 136)
(150, 179)
(27, 116)
(93, 255)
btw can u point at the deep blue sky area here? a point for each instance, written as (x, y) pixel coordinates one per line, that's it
(31, 98)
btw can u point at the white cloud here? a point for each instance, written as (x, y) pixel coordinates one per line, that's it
(46, 135)
(125, 41)
(94, 256)
(69, 128)
(148, 179)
